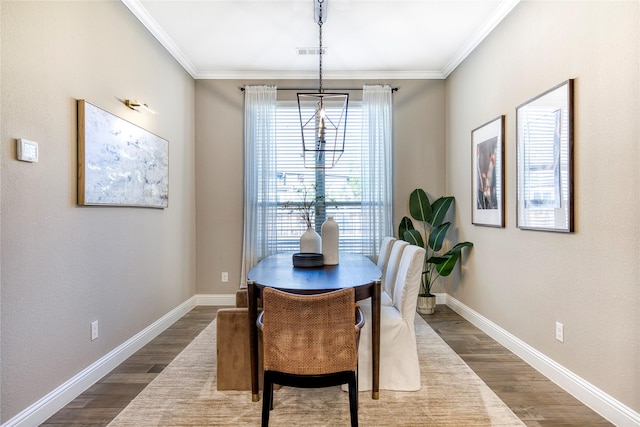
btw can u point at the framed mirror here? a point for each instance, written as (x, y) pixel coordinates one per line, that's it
(544, 151)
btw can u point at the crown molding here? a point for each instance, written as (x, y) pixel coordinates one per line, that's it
(313, 75)
(487, 27)
(154, 28)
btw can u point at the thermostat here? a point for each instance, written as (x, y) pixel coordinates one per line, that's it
(27, 150)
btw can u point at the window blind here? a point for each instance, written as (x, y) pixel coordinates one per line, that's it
(337, 190)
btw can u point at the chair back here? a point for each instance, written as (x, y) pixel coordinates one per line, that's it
(309, 334)
(407, 285)
(385, 251)
(389, 277)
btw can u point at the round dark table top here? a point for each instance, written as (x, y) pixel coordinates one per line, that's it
(277, 271)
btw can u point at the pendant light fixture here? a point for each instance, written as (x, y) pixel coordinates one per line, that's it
(323, 116)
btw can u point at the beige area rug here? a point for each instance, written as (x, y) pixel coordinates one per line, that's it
(185, 394)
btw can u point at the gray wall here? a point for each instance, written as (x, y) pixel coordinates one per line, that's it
(419, 161)
(525, 281)
(64, 266)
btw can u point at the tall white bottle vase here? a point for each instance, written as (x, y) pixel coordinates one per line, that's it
(310, 242)
(330, 241)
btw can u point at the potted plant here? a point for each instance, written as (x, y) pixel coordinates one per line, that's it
(430, 235)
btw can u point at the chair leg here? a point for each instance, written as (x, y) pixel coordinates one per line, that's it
(272, 394)
(357, 384)
(353, 400)
(267, 398)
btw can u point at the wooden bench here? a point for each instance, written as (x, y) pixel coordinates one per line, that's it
(232, 346)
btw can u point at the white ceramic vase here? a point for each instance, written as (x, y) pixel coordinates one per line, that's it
(310, 242)
(330, 241)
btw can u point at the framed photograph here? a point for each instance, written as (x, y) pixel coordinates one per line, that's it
(119, 163)
(544, 151)
(487, 142)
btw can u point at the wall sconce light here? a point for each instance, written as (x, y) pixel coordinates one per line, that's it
(134, 104)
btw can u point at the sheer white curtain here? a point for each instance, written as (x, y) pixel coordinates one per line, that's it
(259, 176)
(377, 201)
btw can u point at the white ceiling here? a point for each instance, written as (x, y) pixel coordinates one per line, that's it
(378, 39)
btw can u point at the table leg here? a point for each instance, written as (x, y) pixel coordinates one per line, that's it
(375, 341)
(252, 308)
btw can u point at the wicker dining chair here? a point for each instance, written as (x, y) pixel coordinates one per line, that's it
(310, 341)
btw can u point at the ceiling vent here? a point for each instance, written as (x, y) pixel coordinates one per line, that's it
(310, 50)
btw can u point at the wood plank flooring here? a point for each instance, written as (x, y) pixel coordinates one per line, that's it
(537, 401)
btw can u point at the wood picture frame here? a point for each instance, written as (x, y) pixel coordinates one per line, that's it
(119, 163)
(487, 143)
(544, 157)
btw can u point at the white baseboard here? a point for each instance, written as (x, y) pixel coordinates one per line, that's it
(602, 403)
(47, 406)
(599, 401)
(216, 299)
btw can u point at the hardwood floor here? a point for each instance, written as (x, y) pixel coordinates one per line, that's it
(100, 404)
(533, 398)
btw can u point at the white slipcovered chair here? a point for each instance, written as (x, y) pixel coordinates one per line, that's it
(390, 271)
(388, 261)
(399, 366)
(385, 251)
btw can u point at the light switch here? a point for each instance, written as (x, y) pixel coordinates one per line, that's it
(27, 150)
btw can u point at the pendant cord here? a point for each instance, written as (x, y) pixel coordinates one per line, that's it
(320, 39)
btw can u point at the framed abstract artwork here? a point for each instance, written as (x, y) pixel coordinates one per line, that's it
(544, 151)
(119, 163)
(487, 143)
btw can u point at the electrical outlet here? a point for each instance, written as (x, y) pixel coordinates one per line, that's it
(94, 330)
(559, 331)
(225, 277)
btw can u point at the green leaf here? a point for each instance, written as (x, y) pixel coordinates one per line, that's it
(439, 209)
(437, 260)
(458, 247)
(447, 267)
(419, 206)
(405, 225)
(452, 256)
(413, 237)
(436, 238)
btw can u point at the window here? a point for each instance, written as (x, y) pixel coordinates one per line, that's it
(357, 191)
(337, 191)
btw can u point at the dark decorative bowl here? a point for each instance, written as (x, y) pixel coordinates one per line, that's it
(307, 260)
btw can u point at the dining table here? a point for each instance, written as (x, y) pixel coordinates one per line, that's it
(277, 271)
